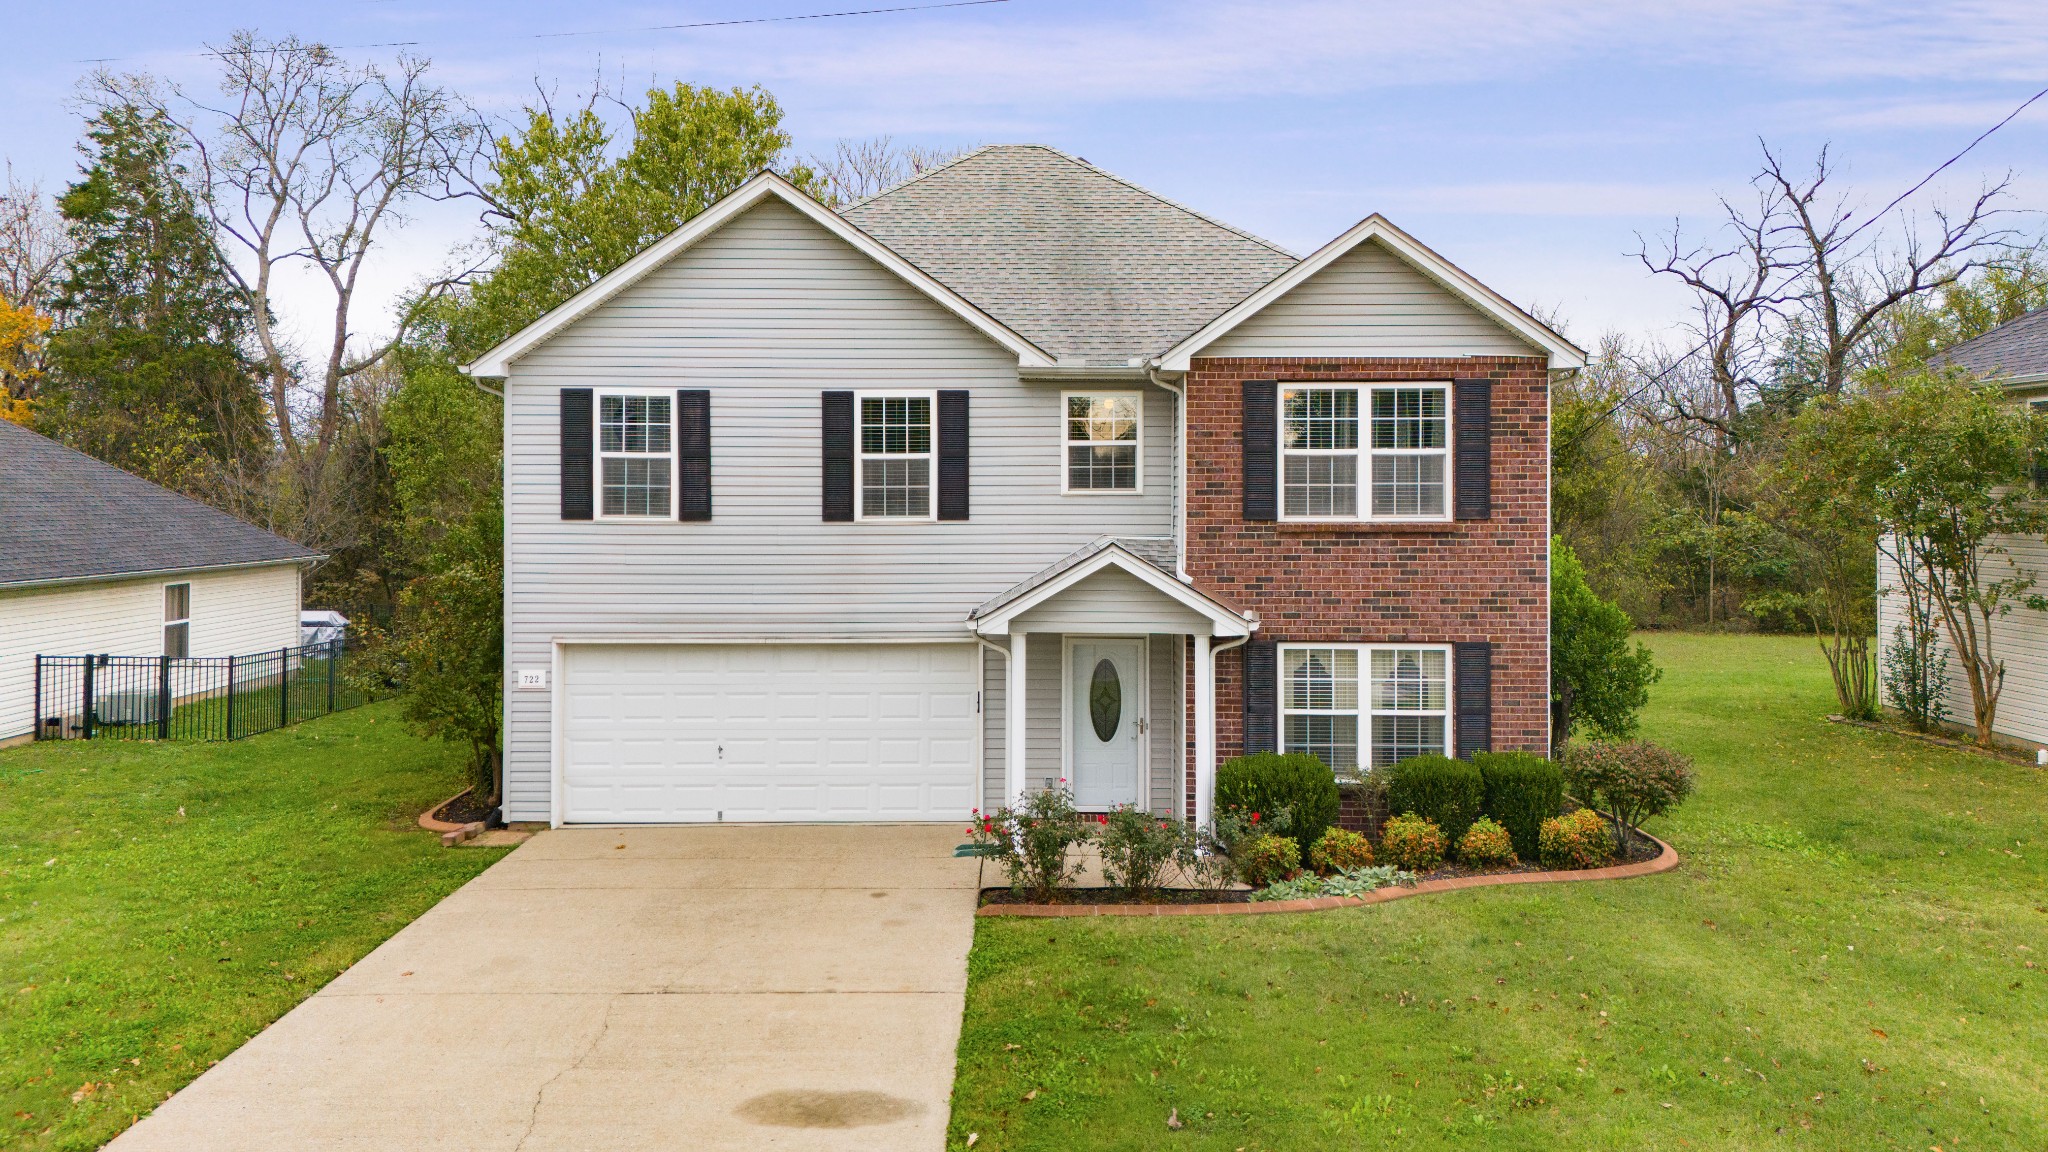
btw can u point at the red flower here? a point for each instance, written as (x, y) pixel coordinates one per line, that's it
(1255, 817)
(988, 825)
(1101, 819)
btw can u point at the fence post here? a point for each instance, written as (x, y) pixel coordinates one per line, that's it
(231, 698)
(163, 699)
(39, 696)
(333, 670)
(89, 662)
(284, 687)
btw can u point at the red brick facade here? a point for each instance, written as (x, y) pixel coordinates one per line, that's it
(1382, 583)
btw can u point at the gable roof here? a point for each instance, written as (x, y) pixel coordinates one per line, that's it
(1376, 228)
(993, 617)
(2017, 349)
(65, 516)
(1089, 266)
(498, 361)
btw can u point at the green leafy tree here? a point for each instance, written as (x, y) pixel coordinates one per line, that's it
(1601, 677)
(149, 371)
(1943, 465)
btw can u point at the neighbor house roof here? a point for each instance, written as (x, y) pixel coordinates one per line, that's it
(65, 516)
(1088, 266)
(2017, 349)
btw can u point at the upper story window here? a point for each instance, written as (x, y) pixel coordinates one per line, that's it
(178, 620)
(636, 454)
(895, 444)
(1403, 709)
(1401, 456)
(1102, 442)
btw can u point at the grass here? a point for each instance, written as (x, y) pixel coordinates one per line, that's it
(1854, 954)
(161, 903)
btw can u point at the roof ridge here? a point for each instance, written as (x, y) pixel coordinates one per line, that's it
(1176, 205)
(968, 155)
(1995, 329)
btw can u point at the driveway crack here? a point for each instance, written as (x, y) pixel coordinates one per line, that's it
(540, 1094)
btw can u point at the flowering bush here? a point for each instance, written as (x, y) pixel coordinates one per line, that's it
(1634, 779)
(1136, 848)
(1487, 845)
(1340, 850)
(1263, 859)
(1034, 843)
(1578, 840)
(1412, 843)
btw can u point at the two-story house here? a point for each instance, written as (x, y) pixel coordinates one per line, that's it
(1016, 472)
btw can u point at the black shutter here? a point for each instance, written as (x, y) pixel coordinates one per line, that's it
(576, 450)
(1261, 714)
(1472, 466)
(1261, 450)
(838, 439)
(953, 454)
(1474, 682)
(693, 454)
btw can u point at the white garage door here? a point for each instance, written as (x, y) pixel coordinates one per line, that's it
(669, 733)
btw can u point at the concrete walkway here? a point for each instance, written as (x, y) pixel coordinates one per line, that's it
(707, 987)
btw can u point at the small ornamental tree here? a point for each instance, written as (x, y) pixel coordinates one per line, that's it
(1599, 676)
(1633, 779)
(1035, 841)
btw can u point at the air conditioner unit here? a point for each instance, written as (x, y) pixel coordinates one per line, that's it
(127, 708)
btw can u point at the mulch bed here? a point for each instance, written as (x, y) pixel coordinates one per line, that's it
(1121, 896)
(463, 809)
(1638, 851)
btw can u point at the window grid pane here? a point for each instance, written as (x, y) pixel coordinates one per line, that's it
(895, 487)
(634, 424)
(177, 601)
(1398, 738)
(1102, 443)
(1321, 485)
(1319, 701)
(895, 425)
(1408, 485)
(1102, 466)
(1408, 418)
(1331, 739)
(178, 640)
(895, 445)
(636, 486)
(1321, 419)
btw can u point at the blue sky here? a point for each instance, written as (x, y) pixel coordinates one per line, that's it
(1528, 140)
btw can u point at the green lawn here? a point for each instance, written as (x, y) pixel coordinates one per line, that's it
(160, 904)
(1854, 954)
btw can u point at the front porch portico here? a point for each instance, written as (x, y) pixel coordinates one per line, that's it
(1114, 622)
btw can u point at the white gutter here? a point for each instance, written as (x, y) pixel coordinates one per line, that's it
(145, 574)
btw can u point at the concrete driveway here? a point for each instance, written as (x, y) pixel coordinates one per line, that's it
(709, 987)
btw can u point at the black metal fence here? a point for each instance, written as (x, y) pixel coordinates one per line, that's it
(189, 698)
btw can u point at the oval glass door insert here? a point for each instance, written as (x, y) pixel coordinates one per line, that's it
(1105, 700)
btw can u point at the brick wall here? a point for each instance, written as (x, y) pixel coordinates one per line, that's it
(1364, 583)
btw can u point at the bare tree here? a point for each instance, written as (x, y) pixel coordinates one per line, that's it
(307, 159)
(1850, 282)
(859, 169)
(33, 246)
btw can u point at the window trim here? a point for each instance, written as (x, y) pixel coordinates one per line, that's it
(597, 455)
(1365, 452)
(931, 455)
(185, 620)
(1365, 711)
(1066, 476)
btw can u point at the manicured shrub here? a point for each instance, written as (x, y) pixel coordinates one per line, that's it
(1136, 848)
(1486, 845)
(1578, 840)
(1340, 850)
(1263, 860)
(1633, 779)
(1412, 843)
(1271, 782)
(1522, 791)
(1447, 792)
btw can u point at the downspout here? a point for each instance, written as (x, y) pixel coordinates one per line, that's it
(1180, 469)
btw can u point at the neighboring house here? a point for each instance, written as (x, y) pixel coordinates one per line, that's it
(2014, 355)
(96, 561)
(1013, 473)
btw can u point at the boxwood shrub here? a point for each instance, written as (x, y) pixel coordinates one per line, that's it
(1268, 782)
(1522, 791)
(1446, 792)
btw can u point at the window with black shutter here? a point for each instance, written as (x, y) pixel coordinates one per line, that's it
(1473, 683)
(953, 442)
(837, 436)
(1472, 483)
(693, 454)
(1261, 715)
(577, 502)
(1261, 448)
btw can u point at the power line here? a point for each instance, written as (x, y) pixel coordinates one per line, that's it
(1925, 180)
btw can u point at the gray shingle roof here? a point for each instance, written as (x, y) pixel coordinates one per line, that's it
(2018, 347)
(67, 516)
(1088, 266)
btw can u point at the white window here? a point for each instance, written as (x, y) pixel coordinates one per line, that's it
(1402, 457)
(895, 448)
(178, 620)
(1402, 708)
(636, 454)
(1101, 442)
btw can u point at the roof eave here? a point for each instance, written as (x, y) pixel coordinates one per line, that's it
(150, 573)
(1223, 621)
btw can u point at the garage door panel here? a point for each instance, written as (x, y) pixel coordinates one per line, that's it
(665, 733)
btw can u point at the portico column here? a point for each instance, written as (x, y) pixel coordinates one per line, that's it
(1205, 731)
(1014, 715)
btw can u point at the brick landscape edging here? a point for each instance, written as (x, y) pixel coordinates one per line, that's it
(1665, 862)
(451, 834)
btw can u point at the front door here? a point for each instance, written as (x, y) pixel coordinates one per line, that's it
(1105, 721)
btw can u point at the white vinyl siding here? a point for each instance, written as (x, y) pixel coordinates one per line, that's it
(233, 612)
(767, 314)
(2019, 638)
(1369, 302)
